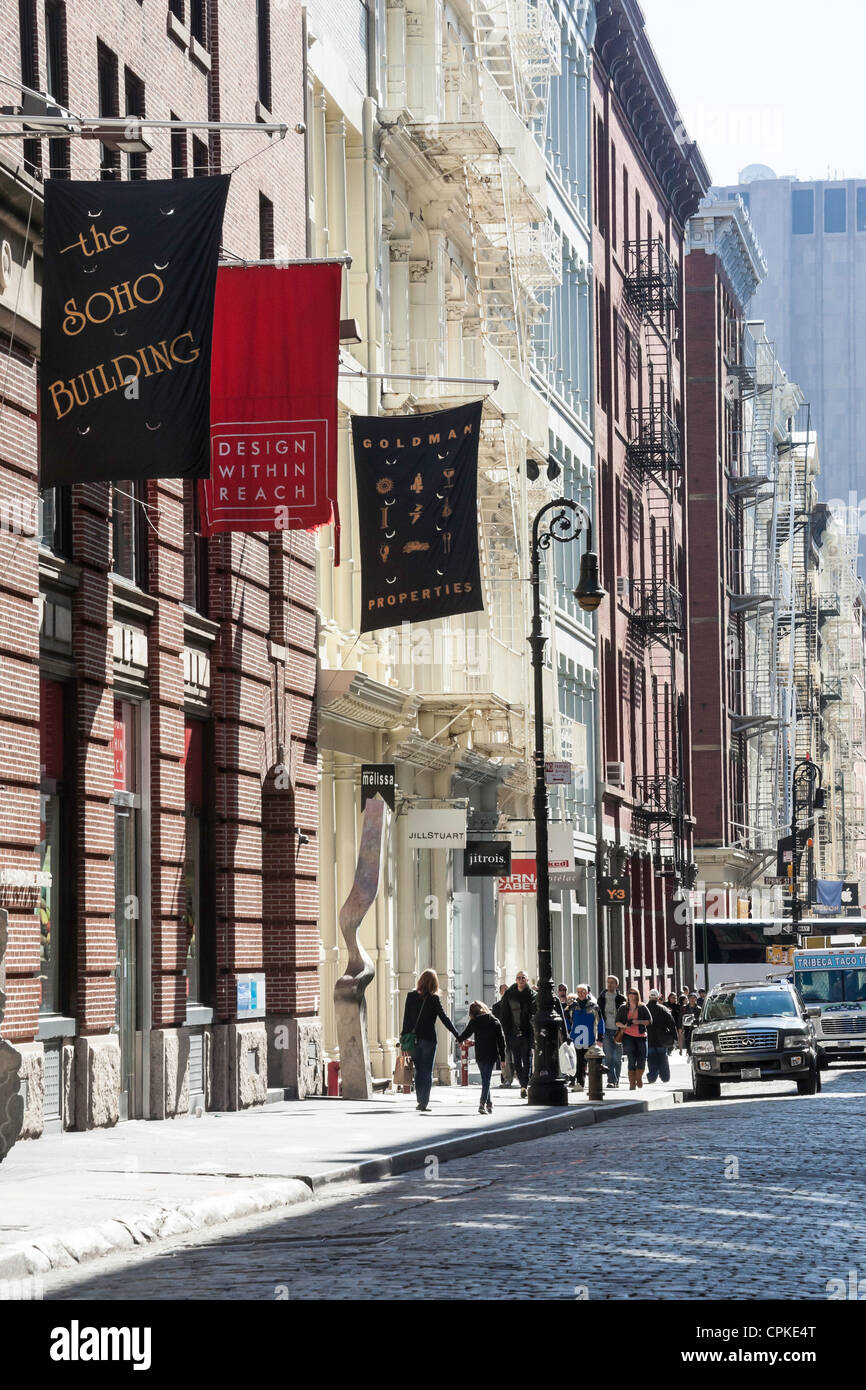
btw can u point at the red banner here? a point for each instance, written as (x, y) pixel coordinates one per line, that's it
(522, 879)
(276, 350)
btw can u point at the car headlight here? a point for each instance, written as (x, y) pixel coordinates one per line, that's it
(794, 1040)
(703, 1045)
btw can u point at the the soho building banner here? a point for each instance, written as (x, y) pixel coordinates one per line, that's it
(127, 318)
(417, 479)
(274, 399)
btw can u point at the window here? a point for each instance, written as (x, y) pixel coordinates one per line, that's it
(136, 165)
(128, 532)
(176, 7)
(193, 767)
(834, 209)
(861, 209)
(57, 80)
(55, 520)
(266, 228)
(802, 211)
(200, 158)
(52, 900)
(178, 151)
(198, 21)
(195, 553)
(127, 881)
(29, 49)
(263, 50)
(109, 105)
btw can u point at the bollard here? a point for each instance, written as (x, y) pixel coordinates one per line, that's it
(333, 1075)
(595, 1070)
(464, 1064)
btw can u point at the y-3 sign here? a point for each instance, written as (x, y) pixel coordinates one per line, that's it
(614, 892)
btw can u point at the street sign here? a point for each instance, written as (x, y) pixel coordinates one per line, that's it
(487, 859)
(378, 779)
(558, 774)
(614, 892)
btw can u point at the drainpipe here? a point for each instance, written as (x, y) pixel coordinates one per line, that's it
(370, 247)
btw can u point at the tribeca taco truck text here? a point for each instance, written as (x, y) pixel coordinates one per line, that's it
(832, 985)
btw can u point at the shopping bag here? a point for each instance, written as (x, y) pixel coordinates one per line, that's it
(567, 1059)
(404, 1071)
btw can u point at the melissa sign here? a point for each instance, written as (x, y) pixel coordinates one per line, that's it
(437, 829)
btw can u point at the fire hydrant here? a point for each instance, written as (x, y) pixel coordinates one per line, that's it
(595, 1070)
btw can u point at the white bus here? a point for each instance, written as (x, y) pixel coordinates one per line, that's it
(832, 985)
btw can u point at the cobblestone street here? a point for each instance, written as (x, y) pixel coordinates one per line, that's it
(757, 1196)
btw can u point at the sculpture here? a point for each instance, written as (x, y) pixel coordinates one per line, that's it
(11, 1102)
(349, 1003)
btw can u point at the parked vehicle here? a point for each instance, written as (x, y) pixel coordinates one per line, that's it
(832, 985)
(753, 1031)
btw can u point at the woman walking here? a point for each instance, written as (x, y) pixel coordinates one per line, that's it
(486, 1029)
(632, 1019)
(418, 1037)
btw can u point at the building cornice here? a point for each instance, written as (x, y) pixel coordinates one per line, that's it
(355, 698)
(722, 227)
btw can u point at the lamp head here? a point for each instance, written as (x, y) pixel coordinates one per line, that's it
(589, 592)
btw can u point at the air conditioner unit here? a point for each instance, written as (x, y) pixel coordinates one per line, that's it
(615, 774)
(623, 588)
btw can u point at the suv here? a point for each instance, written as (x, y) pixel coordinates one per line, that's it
(755, 1031)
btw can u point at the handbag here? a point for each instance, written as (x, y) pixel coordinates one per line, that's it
(408, 1040)
(404, 1071)
(567, 1059)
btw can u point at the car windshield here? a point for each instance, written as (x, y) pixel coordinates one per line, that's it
(832, 986)
(748, 1003)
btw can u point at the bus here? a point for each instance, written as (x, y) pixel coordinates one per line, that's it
(832, 985)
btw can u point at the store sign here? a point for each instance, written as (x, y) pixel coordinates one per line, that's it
(522, 879)
(680, 936)
(251, 996)
(378, 779)
(560, 856)
(487, 859)
(437, 829)
(118, 748)
(558, 774)
(24, 878)
(127, 315)
(614, 892)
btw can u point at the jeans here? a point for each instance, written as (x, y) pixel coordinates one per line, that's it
(425, 1055)
(635, 1049)
(521, 1055)
(658, 1064)
(486, 1069)
(613, 1057)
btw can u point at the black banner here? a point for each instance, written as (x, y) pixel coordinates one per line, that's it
(127, 320)
(614, 892)
(487, 859)
(378, 779)
(417, 479)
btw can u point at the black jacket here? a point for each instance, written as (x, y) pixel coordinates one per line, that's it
(662, 1032)
(488, 1035)
(676, 1013)
(421, 1013)
(518, 1006)
(644, 1018)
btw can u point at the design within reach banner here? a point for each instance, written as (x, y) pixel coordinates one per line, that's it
(417, 480)
(127, 317)
(274, 399)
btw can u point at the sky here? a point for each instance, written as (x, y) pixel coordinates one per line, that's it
(777, 82)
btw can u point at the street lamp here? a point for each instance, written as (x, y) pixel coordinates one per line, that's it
(806, 774)
(562, 520)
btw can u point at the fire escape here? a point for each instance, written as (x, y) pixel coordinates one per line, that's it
(654, 455)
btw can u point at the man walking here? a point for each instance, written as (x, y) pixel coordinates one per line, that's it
(661, 1035)
(518, 1006)
(609, 1001)
(506, 1070)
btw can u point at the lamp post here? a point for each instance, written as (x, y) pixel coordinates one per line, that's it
(806, 773)
(562, 520)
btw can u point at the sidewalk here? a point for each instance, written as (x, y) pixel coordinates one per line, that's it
(68, 1198)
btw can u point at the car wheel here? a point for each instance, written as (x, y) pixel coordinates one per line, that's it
(823, 1064)
(811, 1084)
(705, 1089)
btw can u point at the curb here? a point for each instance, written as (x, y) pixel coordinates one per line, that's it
(153, 1224)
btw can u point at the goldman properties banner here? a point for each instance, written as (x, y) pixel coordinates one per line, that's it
(127, 316)
(417, 479)
(274, 399)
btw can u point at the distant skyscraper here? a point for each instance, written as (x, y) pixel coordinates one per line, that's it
(813, 301)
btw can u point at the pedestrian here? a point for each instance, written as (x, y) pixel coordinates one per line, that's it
(673, 1004)
(661, 1036)
(691, 1014)
(506, 1077)
(486, 1029)
(610, 1001)
(632, 1019)
(519, 1003)
(683, 1002)
(418, 1036)
(586, 1027)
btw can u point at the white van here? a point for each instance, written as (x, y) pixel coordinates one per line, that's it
(832, 985)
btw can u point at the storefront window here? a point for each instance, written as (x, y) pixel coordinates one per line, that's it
(127, 813)
(51, 799)
(192, 918)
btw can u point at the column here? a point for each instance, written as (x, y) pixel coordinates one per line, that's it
(398, 96)
(338, 232)
(399, 316)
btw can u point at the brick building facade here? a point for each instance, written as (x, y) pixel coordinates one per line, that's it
(157, 720)
(648, 178)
